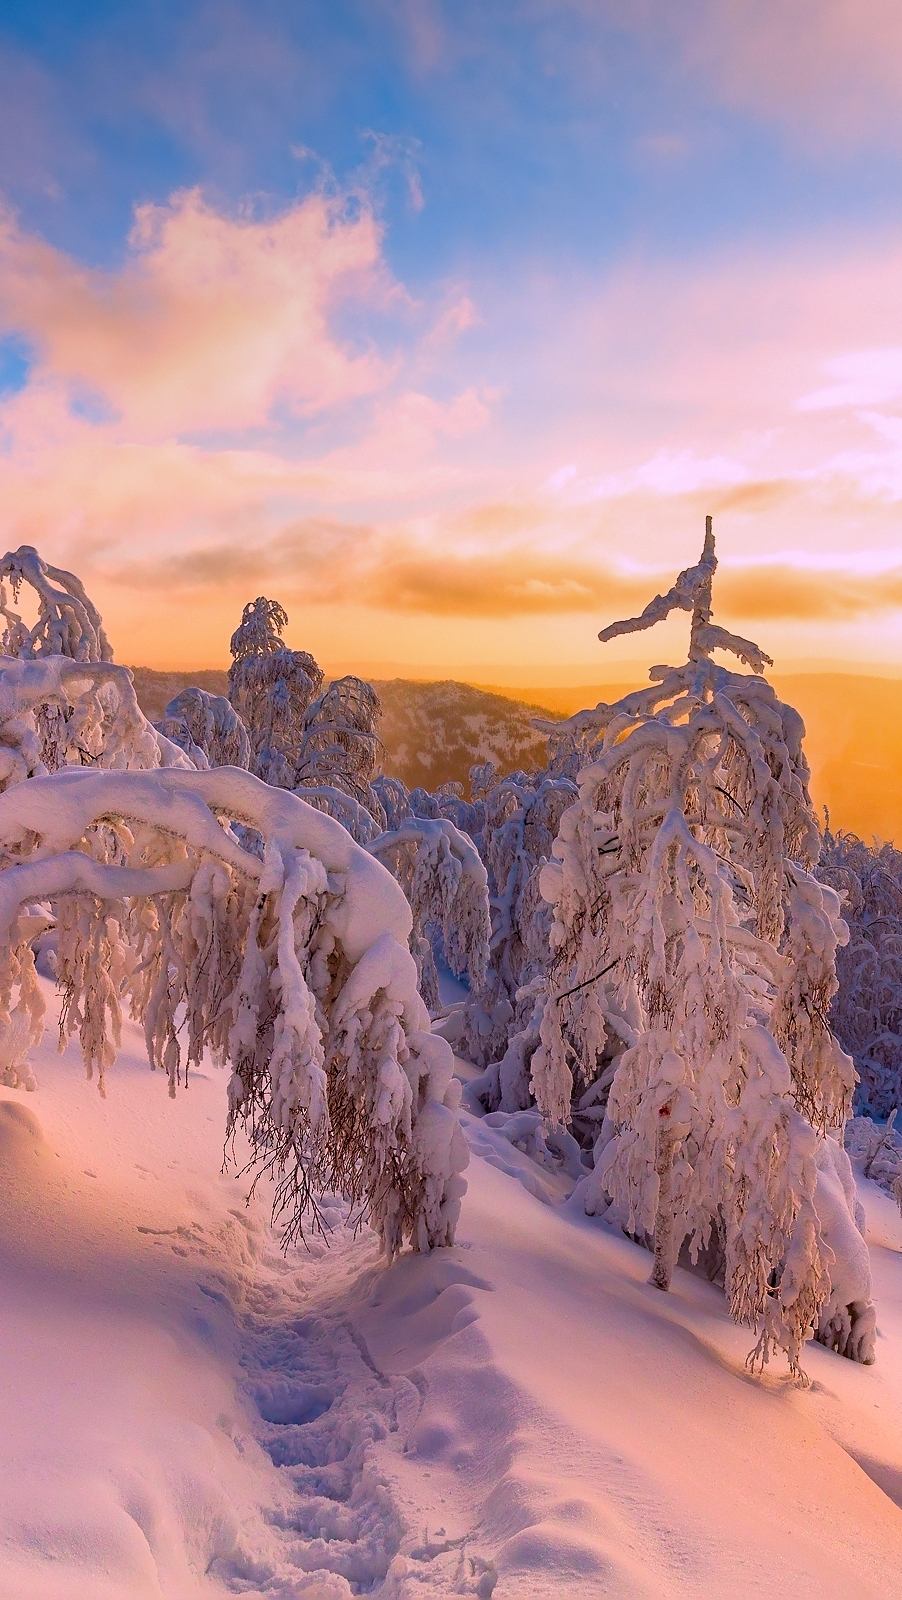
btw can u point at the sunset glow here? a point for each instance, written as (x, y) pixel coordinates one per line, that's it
(448, 328)
(450, 799)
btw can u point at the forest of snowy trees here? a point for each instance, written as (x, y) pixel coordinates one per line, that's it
(674, 985)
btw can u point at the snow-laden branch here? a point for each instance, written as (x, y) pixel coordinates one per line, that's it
(692, 592)
(55, 711)
(68, 623)
(295, 968)
(72, 872)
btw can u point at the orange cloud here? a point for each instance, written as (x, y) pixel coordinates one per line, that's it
(332, 562)
(802, 594)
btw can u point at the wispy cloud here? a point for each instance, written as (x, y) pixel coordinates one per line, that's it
(861, 378)
(827, 71)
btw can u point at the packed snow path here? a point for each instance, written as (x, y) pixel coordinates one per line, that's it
(186, 1413)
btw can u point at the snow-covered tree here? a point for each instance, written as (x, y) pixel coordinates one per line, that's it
(400, 804)
(428, 846)
(68, 623)
(294, 968)
(56, 712)
(208, 728)
(62, 701)
(867, 1009)
(271, 688)
(878, 1147)
(339, 744)
(440, 871)
(520, 818)
(693, 972)
(324, 745)
(303, 736)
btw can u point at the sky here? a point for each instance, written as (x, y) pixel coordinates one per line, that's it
(445, 324)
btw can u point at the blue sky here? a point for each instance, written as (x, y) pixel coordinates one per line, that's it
(583, 271)
(534, 128)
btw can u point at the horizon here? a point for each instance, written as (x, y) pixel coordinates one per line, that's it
(582, 676)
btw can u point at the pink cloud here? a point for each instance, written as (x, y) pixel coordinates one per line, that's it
(211, 322)
(666, 391)
(862, 378)
(408, 426)
(829, 70)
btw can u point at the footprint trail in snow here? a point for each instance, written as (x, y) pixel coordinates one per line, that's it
(336, 1428)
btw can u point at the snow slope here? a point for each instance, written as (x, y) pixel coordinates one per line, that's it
(186, 1413)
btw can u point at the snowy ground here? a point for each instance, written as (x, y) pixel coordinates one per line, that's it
(186, 1413)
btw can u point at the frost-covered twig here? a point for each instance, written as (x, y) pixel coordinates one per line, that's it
(692, 592)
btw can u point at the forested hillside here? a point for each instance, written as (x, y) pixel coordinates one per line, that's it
(433, 732)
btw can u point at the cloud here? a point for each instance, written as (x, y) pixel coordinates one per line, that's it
(334, 562)
(411, 485)
(669, 472)
(862, 378)
(526, 584)
(523, 585)
(425, 32)
(212, 321)
(804, 594)
(829, 71)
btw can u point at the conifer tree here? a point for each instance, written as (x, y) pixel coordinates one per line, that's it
(693, 968)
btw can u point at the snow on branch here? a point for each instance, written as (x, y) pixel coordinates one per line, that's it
(68, 623)
(55, 712)
(692, 592)
(294, 968)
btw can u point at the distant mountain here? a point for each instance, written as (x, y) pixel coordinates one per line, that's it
(156, 689)
(432, 732)
(435, 732)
